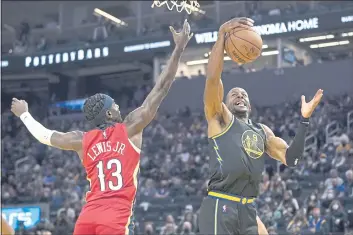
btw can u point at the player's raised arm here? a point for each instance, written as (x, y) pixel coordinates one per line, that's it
(278, 149)
(213, 94)
(138, 119)
(67, 141)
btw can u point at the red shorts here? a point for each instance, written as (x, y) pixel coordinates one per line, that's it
(104, 220)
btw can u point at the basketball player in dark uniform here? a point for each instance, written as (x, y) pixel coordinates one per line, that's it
(237, 147)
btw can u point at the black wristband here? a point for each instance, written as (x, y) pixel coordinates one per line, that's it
(304, 120)
(295, 151)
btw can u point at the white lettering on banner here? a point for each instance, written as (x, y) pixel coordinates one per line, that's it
(4, 63)
(345, 19)
(25, 217)
(206, 37)
(146, 46)
(59, 58)
(291, 26)
(267, 29)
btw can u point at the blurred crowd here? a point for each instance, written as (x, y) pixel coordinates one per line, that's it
(316, 197)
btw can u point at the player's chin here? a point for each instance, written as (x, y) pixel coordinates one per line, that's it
(118, 120)
(241, 109)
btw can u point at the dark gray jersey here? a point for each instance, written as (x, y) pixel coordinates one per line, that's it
(237, 159)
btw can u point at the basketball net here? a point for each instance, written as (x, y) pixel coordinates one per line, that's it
(192, 6)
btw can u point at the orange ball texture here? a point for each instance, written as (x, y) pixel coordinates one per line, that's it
(243, 45)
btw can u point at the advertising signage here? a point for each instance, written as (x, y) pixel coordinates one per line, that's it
(291, 27)
(288, 26)
(146, 47)
(282, 27)
(26, 216)
(66, 57)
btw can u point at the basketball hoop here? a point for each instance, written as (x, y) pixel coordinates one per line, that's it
(187, 5)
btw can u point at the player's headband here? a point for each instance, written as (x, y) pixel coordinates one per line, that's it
(99, 119)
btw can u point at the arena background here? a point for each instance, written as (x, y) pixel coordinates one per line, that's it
(54, 54)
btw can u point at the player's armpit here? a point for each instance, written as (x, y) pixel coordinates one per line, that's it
(137, 120)
(213, 98)
(275, 146)
(67, 141)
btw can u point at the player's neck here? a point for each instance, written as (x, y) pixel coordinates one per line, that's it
(242, 116)
(106, 125)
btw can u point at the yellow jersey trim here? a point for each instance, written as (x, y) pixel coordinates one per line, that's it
(215, 217)
(232, 198)
(225, 130)
(263, 129)
(137, 168)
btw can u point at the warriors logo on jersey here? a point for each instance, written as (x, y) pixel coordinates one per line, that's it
(253, 144)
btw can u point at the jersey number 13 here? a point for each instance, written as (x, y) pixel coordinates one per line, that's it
(115, 164)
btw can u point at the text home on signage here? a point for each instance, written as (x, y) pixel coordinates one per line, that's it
(286, 27)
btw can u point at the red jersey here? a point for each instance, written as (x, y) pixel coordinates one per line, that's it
(112, 163)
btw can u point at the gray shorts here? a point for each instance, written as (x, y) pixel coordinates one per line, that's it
(223, 217)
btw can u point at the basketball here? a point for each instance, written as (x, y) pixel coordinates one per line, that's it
(243, 45)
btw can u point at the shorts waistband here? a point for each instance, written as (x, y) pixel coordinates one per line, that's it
(242, 200)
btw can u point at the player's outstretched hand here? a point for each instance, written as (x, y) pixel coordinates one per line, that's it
(18, 107)
(236, 22)
(308, 108)
(182, 38)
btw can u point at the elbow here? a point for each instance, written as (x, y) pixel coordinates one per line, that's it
(292, 158)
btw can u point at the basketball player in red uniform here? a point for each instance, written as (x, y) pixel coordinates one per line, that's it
(111, 152)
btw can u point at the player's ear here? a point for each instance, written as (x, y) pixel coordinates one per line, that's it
(109, 114)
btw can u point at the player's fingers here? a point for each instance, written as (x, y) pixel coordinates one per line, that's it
(185, 23)
(14, 99)
(240, 26)
(172, 29)
(303, 99)
(246, 21)
(187, 28)
(190, 36)
(319, 92)
(318, 96)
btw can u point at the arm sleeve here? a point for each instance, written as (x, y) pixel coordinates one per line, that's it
(296, 149)
(38, 131)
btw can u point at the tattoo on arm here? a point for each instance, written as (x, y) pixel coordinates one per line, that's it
(138, 119)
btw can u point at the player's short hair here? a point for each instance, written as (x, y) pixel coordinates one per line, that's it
(93, 106)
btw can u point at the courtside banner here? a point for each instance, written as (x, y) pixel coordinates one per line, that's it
(25, 216)
(145, 47)
(285, 26)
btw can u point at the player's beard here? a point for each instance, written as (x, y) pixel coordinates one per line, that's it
(239, 113)
(118, 119)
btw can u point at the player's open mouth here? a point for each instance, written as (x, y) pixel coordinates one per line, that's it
(240, 103)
